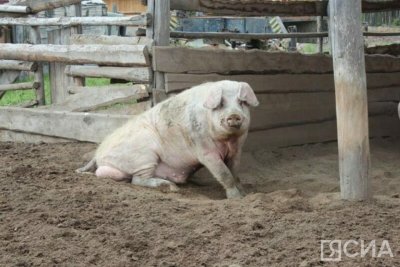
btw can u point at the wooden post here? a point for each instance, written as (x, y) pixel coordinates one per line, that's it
(159, 31)
(39, 78)
(351, 98)
(320, 20)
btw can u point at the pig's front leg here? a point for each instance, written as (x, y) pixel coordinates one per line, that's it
(233, 164)
(221, 172)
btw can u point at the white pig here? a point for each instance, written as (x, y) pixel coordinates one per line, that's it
(203, 126)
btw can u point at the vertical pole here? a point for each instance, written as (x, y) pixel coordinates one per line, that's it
(39, 78)
(161, 32)
(351, 98)
(320, 20)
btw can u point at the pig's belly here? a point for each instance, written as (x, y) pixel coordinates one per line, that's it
(175, 174)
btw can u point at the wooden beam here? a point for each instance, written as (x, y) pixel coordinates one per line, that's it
(380, 126)
(78, 89)
(18, 65)
(138, 75)
(89, 99)
(14, 9)
(282, 110)
(41, 5)
(81, 126)
(39, 76)
(117, 55)
(245, 36)
(85, 39)
(19, 86)
(137, 20)
(351, 98)
(273, 8)
(161, 30)
(252, 7)
(203, 61)
(278, 83)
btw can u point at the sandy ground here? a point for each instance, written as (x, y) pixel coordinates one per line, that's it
(50, 216)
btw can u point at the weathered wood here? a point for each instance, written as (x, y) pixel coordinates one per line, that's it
(282, 110)
(351, 98)
(41, 5)
(14, 9)
(80, 126)
(59, 82)
(161, 30)
(150, 13)
(392, 49)
(18, 65)
(380, 126)
(28, 104)
(278, 83)
(39, 77)
(272, 8)
(138, 75)
(245, 36)
(381, 34)
(89, 99)
(85, 39)
(13, 136)
(78, 89)
(126, 109)
(118, 55)
(201, 61)
(137, 20)
(19, 86)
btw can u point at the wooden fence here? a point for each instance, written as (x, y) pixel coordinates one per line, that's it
(296, 91)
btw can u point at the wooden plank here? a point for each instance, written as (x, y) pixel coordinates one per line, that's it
(41, 5)
(85, 39)
(14, 9)
(77, 89)
(351, 98)
(161, 30)
(13, 136)
(203, 61)
(126, 109)
(278, 83)
(18, 65)
(380, 126)
(81, 126)
(273, 8)
(86, 100)
(138, 75)
(19, 86)
(137, 20)
(245, 36)
(117, 55)
(59, 81)
(39, 77)
(282, 110)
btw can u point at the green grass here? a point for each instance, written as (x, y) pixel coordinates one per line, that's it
(20, 96)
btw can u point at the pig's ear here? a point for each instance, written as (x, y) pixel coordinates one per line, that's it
(247, 95)
(213, 99)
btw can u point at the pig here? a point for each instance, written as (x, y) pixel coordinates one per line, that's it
(204, 126)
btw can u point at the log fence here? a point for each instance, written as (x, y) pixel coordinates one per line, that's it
(296, 92)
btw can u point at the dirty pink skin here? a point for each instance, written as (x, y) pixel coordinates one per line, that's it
(203, 126)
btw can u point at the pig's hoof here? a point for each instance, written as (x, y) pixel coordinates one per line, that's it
(168, 187)
(234, 193)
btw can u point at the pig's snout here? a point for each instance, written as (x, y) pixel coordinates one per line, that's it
(234, 121)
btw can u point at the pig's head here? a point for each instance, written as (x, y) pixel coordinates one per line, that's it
(228, 105)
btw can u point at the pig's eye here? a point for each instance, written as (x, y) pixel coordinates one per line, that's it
(242, 103)
(221, 105)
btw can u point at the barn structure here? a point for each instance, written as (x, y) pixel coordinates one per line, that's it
(304, 98)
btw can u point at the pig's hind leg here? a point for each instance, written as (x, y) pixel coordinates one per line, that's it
(113, 173)
(88, 168)
(155, 183)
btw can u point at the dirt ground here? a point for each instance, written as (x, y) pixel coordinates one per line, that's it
(50, 216)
